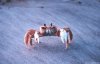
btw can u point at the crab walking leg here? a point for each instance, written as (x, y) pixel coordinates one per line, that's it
(26, 39)
(67, 44)
(70, 36)
(69, 40)
(30, 40)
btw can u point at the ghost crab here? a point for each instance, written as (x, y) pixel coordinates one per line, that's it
(64, 33)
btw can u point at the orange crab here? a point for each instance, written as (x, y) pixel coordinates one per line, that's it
(64, 33)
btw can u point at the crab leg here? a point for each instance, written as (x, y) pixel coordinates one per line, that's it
(28, 37)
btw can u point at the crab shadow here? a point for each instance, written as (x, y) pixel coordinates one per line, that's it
(56, 48)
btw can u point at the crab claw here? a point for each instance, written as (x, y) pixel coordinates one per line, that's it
(36, 37)
(66, 36)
